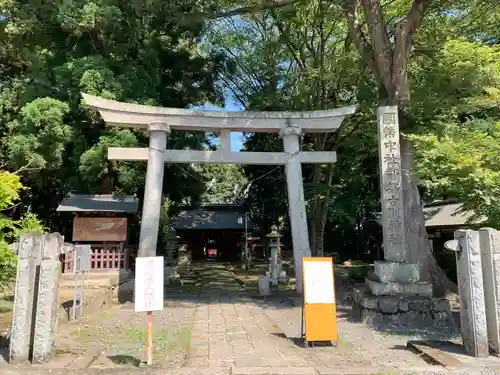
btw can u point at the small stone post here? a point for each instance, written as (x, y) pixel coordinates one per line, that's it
(273, 238)
(46, 312)
(470, 287)
(490, 258)
(172, 247)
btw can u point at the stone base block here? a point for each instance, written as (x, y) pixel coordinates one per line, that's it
(424, 313)
(378, 288)
(397, 272)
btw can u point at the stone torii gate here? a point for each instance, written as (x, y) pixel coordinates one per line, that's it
(158, 121)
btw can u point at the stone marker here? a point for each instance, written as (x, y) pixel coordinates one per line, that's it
(395, 285)
(46, 313)
(35, 304)
(470, 287)
(24, 300)
(394, 276)
(489, 240)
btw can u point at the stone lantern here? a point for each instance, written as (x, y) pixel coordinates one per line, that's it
(276, 275)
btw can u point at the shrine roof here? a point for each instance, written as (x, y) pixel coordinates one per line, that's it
(211, 218)
(450, 215)
(445, 214)
(99, 203)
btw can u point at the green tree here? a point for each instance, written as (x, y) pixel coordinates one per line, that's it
(51, 51)
(291, 60)
(225, 183)
(11, 230)
(385, 35)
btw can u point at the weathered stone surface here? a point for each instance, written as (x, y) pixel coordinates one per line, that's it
(397, 272)
(397, 289)
(419, 304)
(403, 305)
(371, 317)
(46, 312)
(388, 305)
(357, 295)
(24, 304)
(471, 292)
(489, 240)
(441, 305)
(370, 303)
(393, 223)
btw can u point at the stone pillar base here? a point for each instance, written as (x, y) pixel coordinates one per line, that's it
(417, 313)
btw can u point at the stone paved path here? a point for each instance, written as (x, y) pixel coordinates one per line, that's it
(232, 329)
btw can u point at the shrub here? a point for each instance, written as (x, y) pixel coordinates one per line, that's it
(8, 263)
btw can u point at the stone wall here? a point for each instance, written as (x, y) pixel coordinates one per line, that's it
(407, 311)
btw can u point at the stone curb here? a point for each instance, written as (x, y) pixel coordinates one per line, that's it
(14, 370)
(273, 371)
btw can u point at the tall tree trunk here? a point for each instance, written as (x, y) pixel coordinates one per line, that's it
(417, 241)
(319, 212)
(387, 57)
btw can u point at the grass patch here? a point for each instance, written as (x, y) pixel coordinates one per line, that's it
(125, 360)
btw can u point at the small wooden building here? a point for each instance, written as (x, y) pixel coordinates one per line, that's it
(102, 222)
(223, 226)
(442, 219)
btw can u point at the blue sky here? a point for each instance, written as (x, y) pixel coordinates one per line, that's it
(237, 139)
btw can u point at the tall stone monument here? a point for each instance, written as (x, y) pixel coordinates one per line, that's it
(395, 291)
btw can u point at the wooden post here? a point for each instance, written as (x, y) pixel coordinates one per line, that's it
(149, 339)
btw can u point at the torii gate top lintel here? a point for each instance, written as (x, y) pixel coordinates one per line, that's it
(141, 116)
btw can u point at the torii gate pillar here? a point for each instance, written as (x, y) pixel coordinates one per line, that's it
(296, 201)
(151, 209)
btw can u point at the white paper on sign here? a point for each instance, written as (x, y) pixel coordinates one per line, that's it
(148, 284)
(318, 280)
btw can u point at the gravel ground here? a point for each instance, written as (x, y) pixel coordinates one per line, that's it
(119, 333)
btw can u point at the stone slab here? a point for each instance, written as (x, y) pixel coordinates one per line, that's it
(378, 288)
(353, 370)
(435, 354)
(29, 252)
(84, 361)
(471, 292)
(393, 223)
(273, 371)
(46, 312)
(489, 240)
(397, 272)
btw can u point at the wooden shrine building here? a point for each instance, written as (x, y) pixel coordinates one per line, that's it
(102, 222)
(221, 226)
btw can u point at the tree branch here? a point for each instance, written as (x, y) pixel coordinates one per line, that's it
(403, 40)
(357, 35)
(262, 5)
(379, 40)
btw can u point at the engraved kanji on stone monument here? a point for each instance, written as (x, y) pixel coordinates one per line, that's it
(391, 187)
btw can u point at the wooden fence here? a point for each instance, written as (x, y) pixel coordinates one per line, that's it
(104, 258)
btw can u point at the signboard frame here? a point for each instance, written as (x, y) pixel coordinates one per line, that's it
(149, 283)
(81, 266)
(319, 310)
(86, 229)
